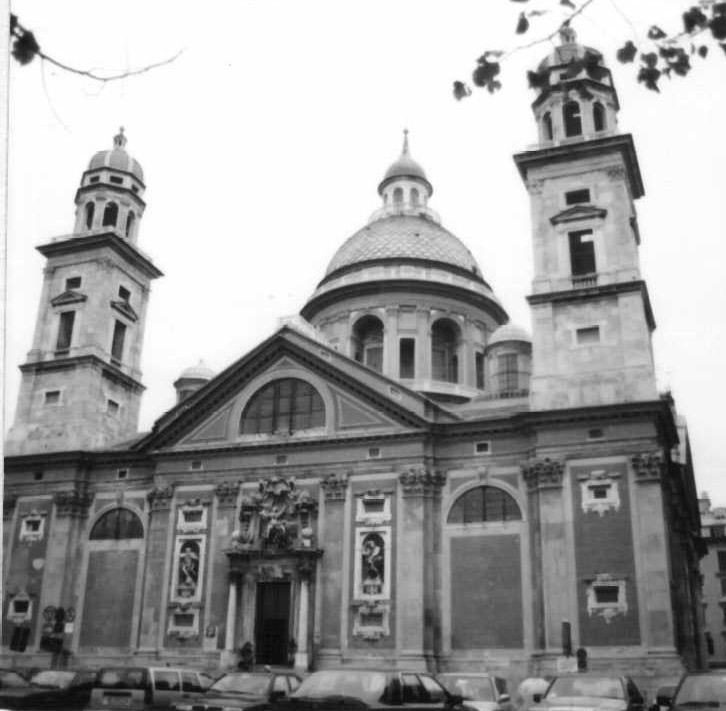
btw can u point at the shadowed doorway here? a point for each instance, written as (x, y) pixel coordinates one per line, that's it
(273, 623)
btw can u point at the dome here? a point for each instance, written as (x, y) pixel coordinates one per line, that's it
(117, 158)
(509, 332)
(405, 167)
(403, 237)
(568, 51)
(197, 372)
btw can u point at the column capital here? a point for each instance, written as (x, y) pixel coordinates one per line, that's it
(160, 497)
(226, 493)
(335, 486)
(421, 482)
(543, 473)
(648, 466)
(72, 503)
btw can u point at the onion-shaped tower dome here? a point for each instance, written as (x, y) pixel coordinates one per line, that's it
(404, 296)
(117, 158)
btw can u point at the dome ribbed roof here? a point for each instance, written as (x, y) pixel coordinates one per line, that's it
(197, 372)
(509, 332)
(405, 167)
(403, 237)
(117, 158)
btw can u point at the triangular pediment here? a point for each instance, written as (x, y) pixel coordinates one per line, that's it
(68, 297)
(579, 212)
(357, 400)
(123, 307)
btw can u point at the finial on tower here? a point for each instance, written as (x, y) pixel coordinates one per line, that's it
(404, 152)
(567, 34)
(119, 140)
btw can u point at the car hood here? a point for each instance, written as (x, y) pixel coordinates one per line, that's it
(227, 699)
(582, 703)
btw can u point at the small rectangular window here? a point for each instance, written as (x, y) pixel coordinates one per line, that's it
(600, 491)
(117, 344)
(123, 293)
(65, 330)
(116, 180)
(281, 459)
(482, 448)
(52, 397)
(135, 188)
(588, 335)
(372, 506)
(573, 197)
(111, 407)
(479, 365)
(196, 465)
(607, 594)
(122, 473)
(38, 476)
(20, 607)
(407, 355)
(32, 525)
(723, 587)
(374, 452)
(94, 179)
(193, 516)
(722, 561)
(73, 283)
(596, 433)
(582, 252)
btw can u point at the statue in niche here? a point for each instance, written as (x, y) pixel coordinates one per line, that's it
(188, 571)
(372, 562)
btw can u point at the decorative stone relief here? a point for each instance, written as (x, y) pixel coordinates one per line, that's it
(599, 491)
(72, 503)
(192, 515)
(226, 493)
(371, 619)
(373, 507)
(534, 187)
(543, 473)
(183, 621)
(160, 498)
(335, 487)
(648, 466)
(421, 482)
(606, 597)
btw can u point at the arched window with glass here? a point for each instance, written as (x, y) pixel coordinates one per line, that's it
(547, 126)
(368, 342)
(130, 219)
(598, 116)
(484, 504)
(283, 406)
(572, 119)
(116, 525)
(444, 347)
(90, 209)
(110, 215)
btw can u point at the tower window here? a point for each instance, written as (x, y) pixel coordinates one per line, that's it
(507, 372)
(90, 209)
(368, 342)
(65, 331)
(598, 116)
(414, 196)
(588, 335)
(398, 195)
(482, 447)
(407, 355)
(73, 283)
(444, 358)
(130, 219)
(124, 294)
(94, 179)
(117, 344)
(574, 197)
(116, 180)
(479, 366)
(547, 126)
(573, 118)
(111, 407)
(110, 215)
(52, 397)
(135, 188)
(582, 252)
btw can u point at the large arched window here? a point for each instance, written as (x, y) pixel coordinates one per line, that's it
(110, 215)
(130, 218)
(398, 195)
(598, 116)
(368, 342)
(90, 208)
(282, 407)
(117, 524)
(444, 358)
(483, 505)
(547, 126)
(573, 118)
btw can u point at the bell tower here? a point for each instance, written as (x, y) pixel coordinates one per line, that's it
(591, 317)
(81, 383)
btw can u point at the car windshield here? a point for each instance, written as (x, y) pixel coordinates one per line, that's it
(476, 688)
(11, 680)
(53, 679)
(363, 685)
(702, 690)
(241, 684)
(133, 678)
(598, 686)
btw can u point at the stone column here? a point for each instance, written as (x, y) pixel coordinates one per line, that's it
(553, 575)
(390, 342)
(9, 502)
(231, 625)
(335, 488)
(414, 598)
(302, 660)
(157, 543)
(225, 524)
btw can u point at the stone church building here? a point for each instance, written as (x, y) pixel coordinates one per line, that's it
(396, 477)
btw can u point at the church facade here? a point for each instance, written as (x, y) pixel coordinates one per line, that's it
(398, 476)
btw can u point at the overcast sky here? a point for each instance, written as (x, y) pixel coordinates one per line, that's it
(264, 142)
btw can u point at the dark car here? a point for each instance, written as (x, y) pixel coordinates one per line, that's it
(342, 689)
(697, 690)
(240, 690)
(13, 679)
(591, 692)
(51, 689)
(482, 692)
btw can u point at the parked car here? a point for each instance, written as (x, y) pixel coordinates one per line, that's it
(134, 688)
(696, 690)
(591, 691)
(240, 690)
(12, 679)
(482, 692)
(357, 689)
(50, 689)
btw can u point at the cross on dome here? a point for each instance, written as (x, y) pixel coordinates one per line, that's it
(567, 34)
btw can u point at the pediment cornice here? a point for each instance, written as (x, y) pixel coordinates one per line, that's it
(579, 212)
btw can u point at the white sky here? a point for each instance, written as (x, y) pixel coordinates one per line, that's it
(263, 145)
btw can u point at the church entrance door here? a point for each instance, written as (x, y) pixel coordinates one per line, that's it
(272, 626)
